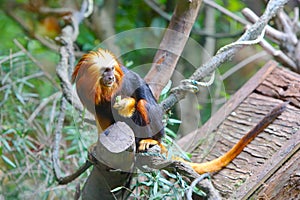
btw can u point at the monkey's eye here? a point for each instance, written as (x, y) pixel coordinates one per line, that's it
(109, 69)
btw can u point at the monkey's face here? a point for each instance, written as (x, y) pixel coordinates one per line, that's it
(105, 63)
(98, 75)
(107, 76)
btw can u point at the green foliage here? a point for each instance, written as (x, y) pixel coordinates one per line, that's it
(161, 184)
(86, 39)
(26, 135)
(9, 31)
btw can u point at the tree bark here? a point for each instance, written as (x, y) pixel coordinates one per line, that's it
(113, 158)
(172, 45)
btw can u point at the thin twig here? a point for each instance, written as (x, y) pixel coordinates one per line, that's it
(194, 183)
(7, 58)
(57, 139)
(287, 28)
(274, 35)
(225, 11)
(216, 35)
(56, 11)
(157, 9)
(78, 192)
(296, 17)
(31, 76)
(51, 45)
(278, 37)
(278, 55)
(39, 129)
(70, 178)
(42, 105)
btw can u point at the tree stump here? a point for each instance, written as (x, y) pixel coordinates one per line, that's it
(113, 158)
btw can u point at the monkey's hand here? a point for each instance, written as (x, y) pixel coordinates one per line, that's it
(146, 143)
(125, 106)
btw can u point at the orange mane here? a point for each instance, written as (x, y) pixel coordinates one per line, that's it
(87, 77)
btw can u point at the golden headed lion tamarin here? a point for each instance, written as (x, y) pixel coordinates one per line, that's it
(113, 93)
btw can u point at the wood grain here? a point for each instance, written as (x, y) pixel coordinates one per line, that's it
(259, 151)
(250, 174)
(204, 132)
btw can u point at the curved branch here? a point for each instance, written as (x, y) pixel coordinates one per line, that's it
(157, 9)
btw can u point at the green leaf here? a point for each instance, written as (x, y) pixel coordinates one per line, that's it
(20, 98)
(174, 121)
(72, 149)
(170, 132)
(149, 183)
(171, 175)
(199, 192)
(128, 63)
(155, 188)
(30, 144)
(6, 145)
(117, 189)
(166, 88)
(8, 161)
(165, 181)
(4, 79)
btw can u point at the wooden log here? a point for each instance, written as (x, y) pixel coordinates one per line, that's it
(113, 158)
(285, 184)
(282, 84)
(116, 147)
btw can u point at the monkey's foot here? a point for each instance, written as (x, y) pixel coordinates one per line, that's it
(125, 107)
(147, 143)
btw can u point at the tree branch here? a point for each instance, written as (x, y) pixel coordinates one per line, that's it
(280, 38)
(64, 70)
(57, 138)
(157, 9)
(225, 11)
(172, 45)
(228, 52)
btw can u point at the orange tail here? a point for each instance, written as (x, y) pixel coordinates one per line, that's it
(222, 161)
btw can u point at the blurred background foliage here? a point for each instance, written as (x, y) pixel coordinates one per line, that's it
(30, 91)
